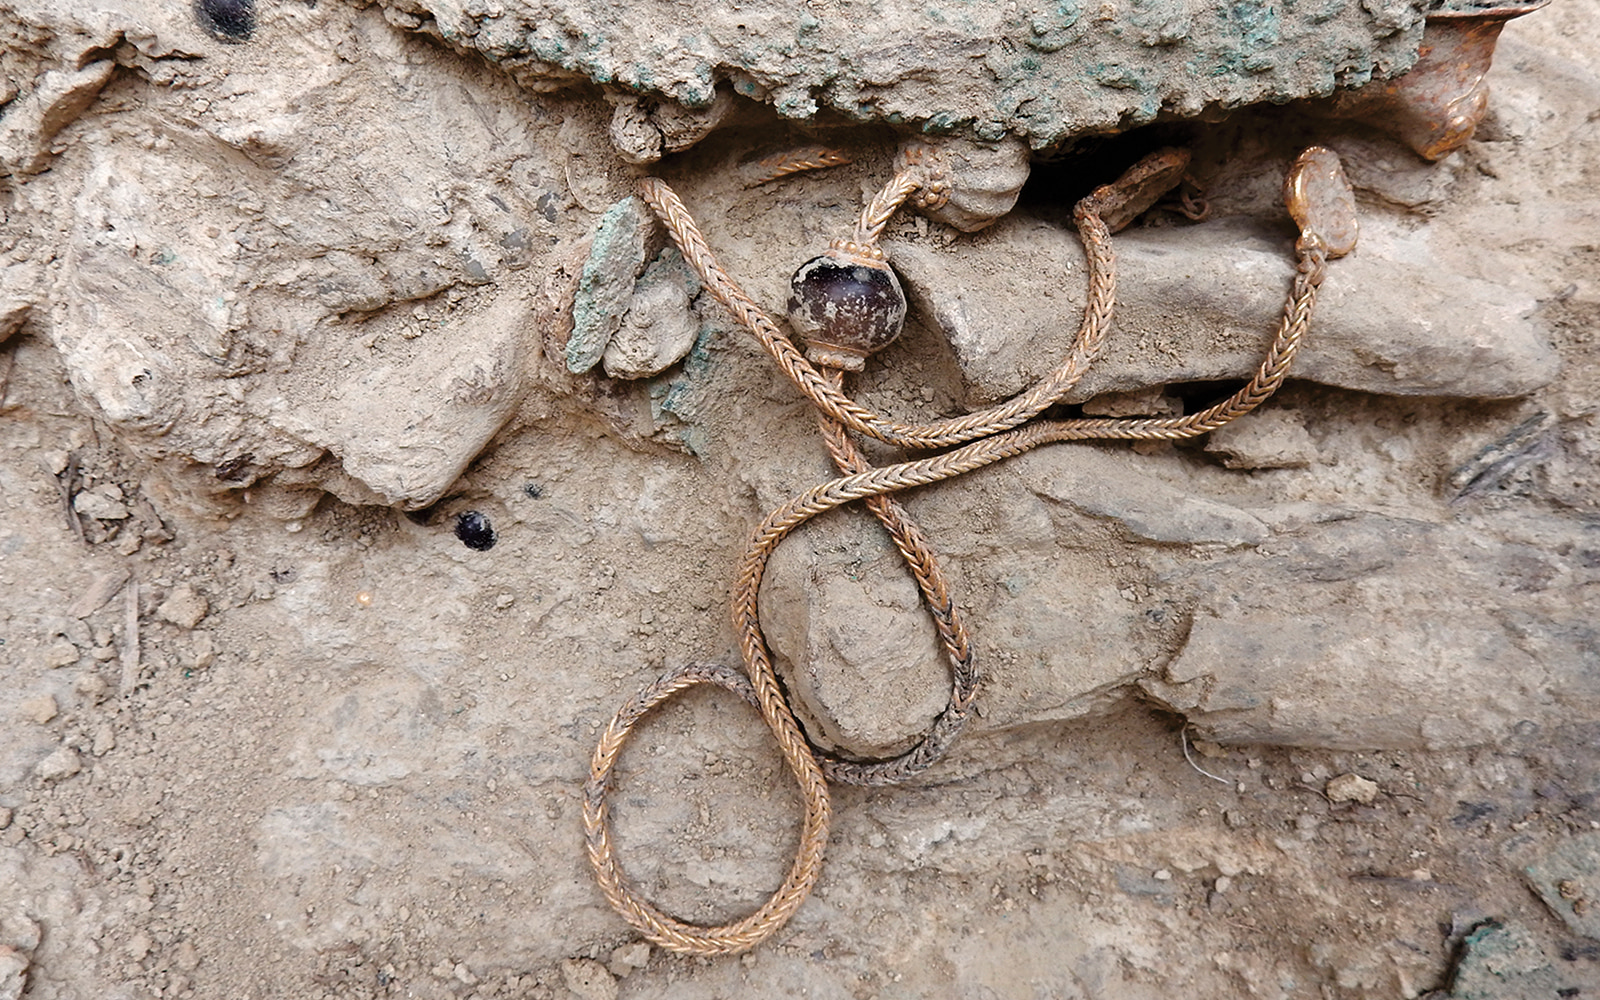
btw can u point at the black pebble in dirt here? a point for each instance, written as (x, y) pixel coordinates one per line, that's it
(475, 531)
(228, 20)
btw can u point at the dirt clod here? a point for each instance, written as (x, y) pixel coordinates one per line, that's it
(59, 765)
(588, 979)
(183, 607)
(626, 958)
(41, 710)
(1351, 788)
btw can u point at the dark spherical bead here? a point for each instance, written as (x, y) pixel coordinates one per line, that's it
(846, 307)
(475, 531)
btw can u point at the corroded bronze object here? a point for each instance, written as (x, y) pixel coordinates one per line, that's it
(1437, 106)
(1140, 187)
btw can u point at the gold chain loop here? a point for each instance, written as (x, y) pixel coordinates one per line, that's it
(982, 438)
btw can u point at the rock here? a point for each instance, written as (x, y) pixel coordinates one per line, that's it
(588, 979)
(61, 764)
(1043, 73)
(186, 956)
(41, 710)
(1271, 438)
(93, 687)
(682, 126)
(1085, 570)
(1351, 788)
(105, 740)
(635, 137)
(20, 931)
(1057, 624)
(19, 294)
(1391, 319)
(1008, 303)
(406, 428)
(54, 461)
(642, 130)
(282, 237)
(1567, 878)
(858, 649)
(1107, 485)
(1309, 647)
(104, 587)
(104, 502)
(1135, 882)
(626, 958)
(1060, 625)
(616, 258)
(1201, 303)
(202, 651)
(1504, 961)
(60, 653)
(13, 973)
(5, 817)
(183, 607)
(57, 98)
(660, 327)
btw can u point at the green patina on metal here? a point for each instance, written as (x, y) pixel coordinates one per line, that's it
(1052, 30)
(1042, 70)
(615, 257)
(677, 397)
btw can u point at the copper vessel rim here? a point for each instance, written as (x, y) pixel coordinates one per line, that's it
(1504, 13)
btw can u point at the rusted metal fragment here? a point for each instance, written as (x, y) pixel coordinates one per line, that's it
(1437, 106)
(1140, 187)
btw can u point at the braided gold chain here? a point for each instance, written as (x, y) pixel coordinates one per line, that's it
(982, 438)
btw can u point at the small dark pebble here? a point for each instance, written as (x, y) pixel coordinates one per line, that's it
(236, 469)
(475, 531)
(228, 20)
(533, 491)
(1468, 813)
(1573, 951)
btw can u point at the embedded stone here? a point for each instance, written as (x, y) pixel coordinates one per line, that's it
(58, 766)
(1200, 303)
(1352, 788)
(183, 607)
(660, 326)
